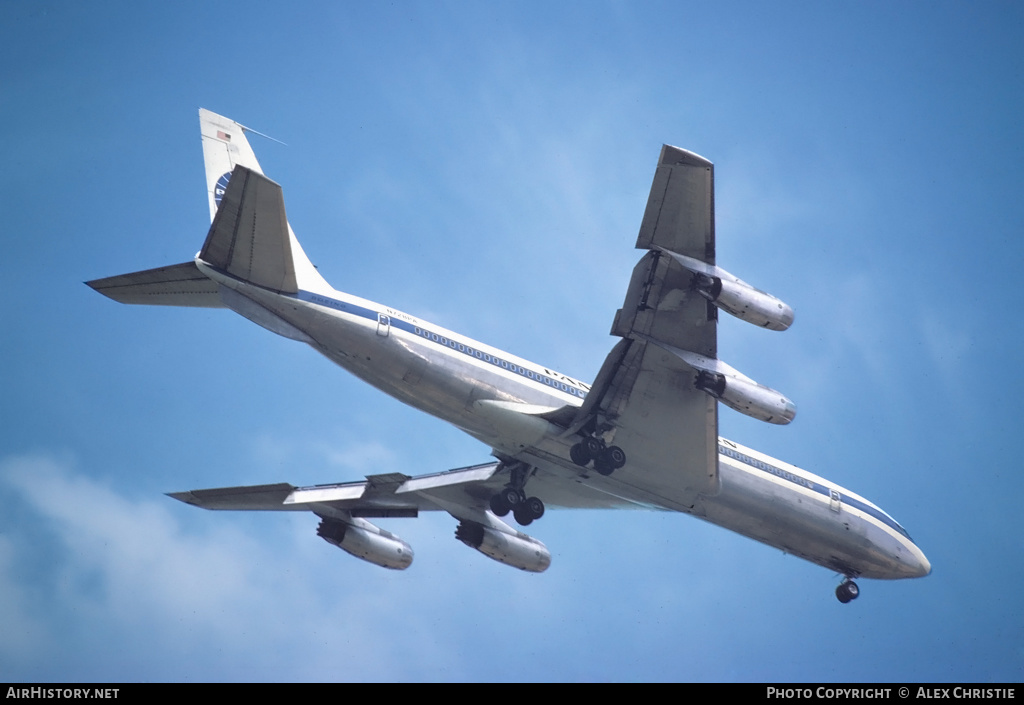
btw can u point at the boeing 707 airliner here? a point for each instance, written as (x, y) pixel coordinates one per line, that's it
(644, 433)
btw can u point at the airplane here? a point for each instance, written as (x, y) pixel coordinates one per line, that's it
(643, 434)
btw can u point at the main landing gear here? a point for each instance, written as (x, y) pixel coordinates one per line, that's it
(512, 498)
(525, 509)
(607, 459)
(847, 591)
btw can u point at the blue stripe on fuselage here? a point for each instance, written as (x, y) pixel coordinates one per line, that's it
(554, 380)
(813, 486)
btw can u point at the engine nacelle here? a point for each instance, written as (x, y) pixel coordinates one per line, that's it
(735, 296)
(367, 542)
(744, 301)
(518, 550)
(747, 397)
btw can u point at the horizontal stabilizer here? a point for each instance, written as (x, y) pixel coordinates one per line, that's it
(249, 238)
(176, 285)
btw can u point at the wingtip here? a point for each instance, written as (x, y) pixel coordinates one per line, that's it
(185, 497)
(677, 155)
(94, 285)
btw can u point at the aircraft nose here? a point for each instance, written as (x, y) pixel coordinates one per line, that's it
(918, 564)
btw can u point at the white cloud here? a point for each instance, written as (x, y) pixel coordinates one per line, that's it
(144, 560)
(211, 604)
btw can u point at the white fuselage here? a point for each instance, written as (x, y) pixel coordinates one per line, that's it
(448, 375)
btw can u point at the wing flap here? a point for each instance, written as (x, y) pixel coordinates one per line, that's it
(476, 473)
(327, 493)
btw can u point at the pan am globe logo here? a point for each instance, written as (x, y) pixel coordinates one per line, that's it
(221, 187)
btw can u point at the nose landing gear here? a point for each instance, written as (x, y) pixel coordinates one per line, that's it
(847, 591)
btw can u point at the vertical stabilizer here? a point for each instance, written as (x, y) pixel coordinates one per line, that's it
(224, 147)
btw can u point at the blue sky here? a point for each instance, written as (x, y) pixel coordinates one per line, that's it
(485, 167)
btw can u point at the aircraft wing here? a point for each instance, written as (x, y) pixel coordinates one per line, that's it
(462, 492)
(680, 213)
(645, 391)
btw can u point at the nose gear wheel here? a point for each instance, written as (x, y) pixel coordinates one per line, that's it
(847, 591)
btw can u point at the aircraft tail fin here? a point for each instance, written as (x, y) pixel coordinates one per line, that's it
(249, 238)
(277, 260)
(224, 147)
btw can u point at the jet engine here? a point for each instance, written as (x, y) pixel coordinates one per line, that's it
(368, 542)
(744, 301)
(734, 389)
(518, 550)
(747, 397)
(735, 296)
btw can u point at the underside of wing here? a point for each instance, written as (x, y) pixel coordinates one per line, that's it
(400, 495)
(465, 493)
(680, 213)
(662, 304)
(251, 498)
(668, 429)
(644, 399)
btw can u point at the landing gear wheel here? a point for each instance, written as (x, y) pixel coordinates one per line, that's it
(535, 507)
(512, 496)
(522, 515)
(847, 591)
(606, 459)
(579, 455)
(610, 460)
(614, 457)
(593, 447)
(499, 505)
